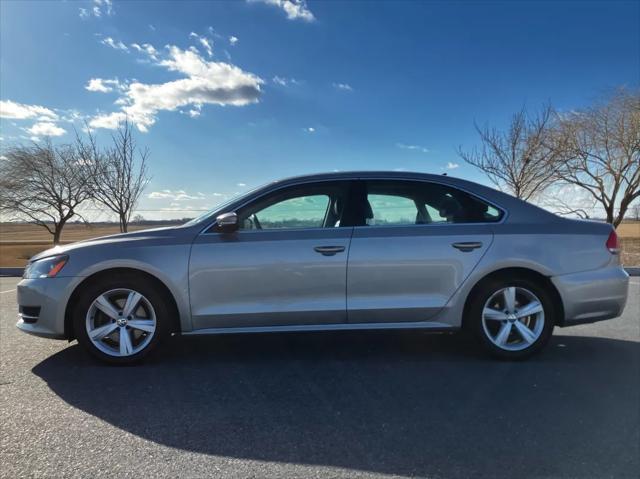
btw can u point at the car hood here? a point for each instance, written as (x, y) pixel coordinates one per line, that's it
(120, 238)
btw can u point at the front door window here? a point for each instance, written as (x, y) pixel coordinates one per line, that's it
(300, 207)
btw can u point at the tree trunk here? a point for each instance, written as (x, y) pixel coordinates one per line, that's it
(624, 205)
(610, 216)
(57, 232)
(57, 229)
(124, 225)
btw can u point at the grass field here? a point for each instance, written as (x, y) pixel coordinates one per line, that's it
(18, 242)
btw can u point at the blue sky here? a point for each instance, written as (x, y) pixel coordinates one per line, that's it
(229, 95)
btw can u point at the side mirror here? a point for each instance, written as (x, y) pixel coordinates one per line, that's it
(227, 222)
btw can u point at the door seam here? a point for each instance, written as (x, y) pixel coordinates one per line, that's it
(346, 278)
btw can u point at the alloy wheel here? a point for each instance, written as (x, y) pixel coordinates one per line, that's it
(121, 322)
(513, 318)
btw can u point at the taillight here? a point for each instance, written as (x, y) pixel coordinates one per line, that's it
(613, 243)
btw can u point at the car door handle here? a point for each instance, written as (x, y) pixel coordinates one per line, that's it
(467, 246)
(328, 250)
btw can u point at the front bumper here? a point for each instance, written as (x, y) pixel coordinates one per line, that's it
(592, 296)
(42, 304)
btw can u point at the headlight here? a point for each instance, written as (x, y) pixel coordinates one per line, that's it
(45, 267)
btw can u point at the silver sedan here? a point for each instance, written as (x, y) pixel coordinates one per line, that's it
(343, 251)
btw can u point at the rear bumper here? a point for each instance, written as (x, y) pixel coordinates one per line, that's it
(592, 295)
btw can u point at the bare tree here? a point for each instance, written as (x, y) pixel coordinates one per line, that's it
(121, 174)
(44, 184)
(521, 159)
(600, 152)
(568, 200)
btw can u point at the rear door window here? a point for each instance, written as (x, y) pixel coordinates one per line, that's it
(392, 210)
(406, 202)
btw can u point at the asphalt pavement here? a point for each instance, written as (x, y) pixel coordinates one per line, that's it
(360, 404)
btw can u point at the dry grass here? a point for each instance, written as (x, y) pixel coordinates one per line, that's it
(629, 233)
(18, 242)
(631, 251)
(71, 232)
(629, 229)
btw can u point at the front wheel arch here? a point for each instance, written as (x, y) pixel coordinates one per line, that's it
(96, 277)
(522, 273)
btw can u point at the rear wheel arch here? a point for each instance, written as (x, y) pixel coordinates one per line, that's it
(519, 273)
(129, 272)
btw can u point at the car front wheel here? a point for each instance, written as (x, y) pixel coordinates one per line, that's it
(120, 321)
(512, 319)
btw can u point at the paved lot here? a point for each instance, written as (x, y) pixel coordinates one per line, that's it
(324, 405)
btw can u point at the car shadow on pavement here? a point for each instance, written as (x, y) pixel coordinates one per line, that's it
(402, 403)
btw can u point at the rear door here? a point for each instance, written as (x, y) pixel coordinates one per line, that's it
(413, 246)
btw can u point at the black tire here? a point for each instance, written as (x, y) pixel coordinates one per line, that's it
(482, 294)
(133, 282)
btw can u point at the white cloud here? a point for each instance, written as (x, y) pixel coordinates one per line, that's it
(45, 118)
(241, 185)
(21, 111)
(45, 128)
(295, 9)
(110, 121)
(102, 85)
(213, 33)
(146, 48)
(419, 148)
(343, 86)
(283, 81)
(99, 8)
(205, 42)
(452, 166)
(194, 112)
(177, 195)
(117, 44)
(3, 158)
(310, 129)
(107, 6)
(206, 82)
(233, 40)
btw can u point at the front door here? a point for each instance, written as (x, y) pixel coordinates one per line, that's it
(286, 265)
(414, 245)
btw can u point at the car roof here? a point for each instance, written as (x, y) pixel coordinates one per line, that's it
(363, 174)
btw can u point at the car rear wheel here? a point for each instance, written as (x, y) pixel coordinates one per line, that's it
(120, 321)
(512, 319)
